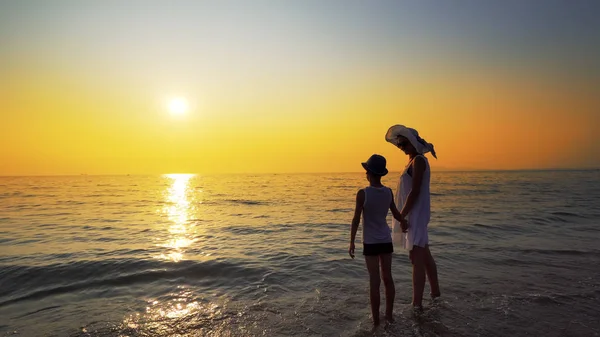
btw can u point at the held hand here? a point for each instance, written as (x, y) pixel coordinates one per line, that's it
(351, 250)
(404, 225)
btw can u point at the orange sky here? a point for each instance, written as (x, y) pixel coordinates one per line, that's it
(289, 92)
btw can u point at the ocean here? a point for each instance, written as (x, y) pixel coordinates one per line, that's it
(518, 254)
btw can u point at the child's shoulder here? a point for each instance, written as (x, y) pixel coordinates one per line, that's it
(376, 187)
(377, 190)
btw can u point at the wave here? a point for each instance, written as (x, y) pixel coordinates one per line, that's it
(283, 227)
(21, 283)
(571, 252)
(245, 230)
(246, 202)
(568, 214)
(38, 311)
(340, 210)
(485, 229)
(468, 192)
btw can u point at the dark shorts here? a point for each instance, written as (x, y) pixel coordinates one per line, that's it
(370, 249)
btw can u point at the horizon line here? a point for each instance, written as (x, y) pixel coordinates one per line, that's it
(298, 173)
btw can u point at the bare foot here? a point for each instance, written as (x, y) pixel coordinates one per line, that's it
(417, 309)
(375, 326)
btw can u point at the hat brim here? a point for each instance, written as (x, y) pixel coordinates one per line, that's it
(377, 173)
(396, 131)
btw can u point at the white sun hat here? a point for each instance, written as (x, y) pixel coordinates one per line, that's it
(412, 135)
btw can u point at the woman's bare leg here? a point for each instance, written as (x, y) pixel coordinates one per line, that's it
(432, 276)
(388, 282)
(374, 282)
(417, 256)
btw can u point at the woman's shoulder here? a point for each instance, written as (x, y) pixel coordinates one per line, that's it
(420, 160)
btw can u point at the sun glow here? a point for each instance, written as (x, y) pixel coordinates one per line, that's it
(178, 106)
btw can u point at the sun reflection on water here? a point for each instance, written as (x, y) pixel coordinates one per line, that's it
(182, 311)
(182, 315)
(178, 209)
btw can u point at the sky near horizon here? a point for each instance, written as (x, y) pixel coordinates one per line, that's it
(296, 86)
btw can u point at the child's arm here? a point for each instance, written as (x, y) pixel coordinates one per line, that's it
(397, 215)
(360, 201)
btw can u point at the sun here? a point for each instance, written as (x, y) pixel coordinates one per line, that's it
(178, 106)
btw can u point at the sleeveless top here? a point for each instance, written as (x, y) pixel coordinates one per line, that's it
(420, 214)
(375, 211)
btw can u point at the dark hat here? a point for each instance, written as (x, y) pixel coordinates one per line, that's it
(376, 165)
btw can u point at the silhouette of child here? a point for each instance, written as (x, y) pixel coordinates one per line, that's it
(373, 203)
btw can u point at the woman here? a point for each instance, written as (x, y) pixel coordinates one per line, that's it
(414, 200)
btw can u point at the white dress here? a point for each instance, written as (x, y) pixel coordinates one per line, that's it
(420, 214)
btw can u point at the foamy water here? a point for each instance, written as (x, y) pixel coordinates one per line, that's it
(266, 255)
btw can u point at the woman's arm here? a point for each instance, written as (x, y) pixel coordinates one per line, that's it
(394, 209)
(360, 201)
(397, 215)
(418, 168)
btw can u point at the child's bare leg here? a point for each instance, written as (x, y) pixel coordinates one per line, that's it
(388, 282)
(418, 262)
(431, 269)
(374, 282)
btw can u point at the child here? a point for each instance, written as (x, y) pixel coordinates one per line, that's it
(373, 202)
